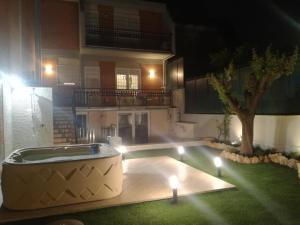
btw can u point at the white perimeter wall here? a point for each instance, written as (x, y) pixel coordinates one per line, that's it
(28, 117)
(281, 132)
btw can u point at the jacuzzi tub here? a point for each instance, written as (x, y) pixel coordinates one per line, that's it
(34, 178)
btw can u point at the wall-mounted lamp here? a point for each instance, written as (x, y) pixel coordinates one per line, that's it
(151, 74)
(48, 69)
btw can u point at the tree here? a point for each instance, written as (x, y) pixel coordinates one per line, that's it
(264, 69)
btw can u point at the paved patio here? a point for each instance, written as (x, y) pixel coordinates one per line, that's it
(145, 179)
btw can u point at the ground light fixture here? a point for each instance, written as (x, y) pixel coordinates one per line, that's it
(174, 184)
(122, 149)
(218, 163)
(181, 151)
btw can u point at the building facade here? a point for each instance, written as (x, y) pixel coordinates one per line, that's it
(104, 60)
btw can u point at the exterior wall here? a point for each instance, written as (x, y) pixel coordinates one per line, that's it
(28, 119)
(160, 123)
(281, 132)
(10, 37)
(59, 24)
(28, 38)
(7, 121)
(4, 35)
(108, 77)
(2, 152)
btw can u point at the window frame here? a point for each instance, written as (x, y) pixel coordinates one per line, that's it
(138, 70)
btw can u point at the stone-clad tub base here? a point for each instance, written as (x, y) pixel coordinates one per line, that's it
(48, 177)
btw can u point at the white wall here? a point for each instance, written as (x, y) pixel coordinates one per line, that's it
(28, 119)
(7, 120)
(281, 132)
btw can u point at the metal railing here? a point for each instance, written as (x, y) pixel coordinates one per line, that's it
(97, 36)
(98, 97)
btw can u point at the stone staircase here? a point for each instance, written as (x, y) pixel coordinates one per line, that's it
(63, 126)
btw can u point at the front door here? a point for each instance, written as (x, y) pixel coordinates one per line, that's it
(133, 127)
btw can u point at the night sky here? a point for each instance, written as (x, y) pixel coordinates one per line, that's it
(240, 21)
(230, 23)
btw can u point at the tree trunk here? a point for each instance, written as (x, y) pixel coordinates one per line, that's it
(247, 134)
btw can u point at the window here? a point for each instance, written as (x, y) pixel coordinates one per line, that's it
(127, 78)
(68, 71)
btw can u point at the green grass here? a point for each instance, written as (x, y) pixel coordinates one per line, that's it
(266, 194)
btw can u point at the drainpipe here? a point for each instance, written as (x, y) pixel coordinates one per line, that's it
(37, 29)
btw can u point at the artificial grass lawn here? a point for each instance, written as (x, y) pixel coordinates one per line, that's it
(266, 194)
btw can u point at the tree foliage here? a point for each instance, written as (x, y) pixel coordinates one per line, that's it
(264, 69)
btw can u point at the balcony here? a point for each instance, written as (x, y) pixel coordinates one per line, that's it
(97, 36)
(86, 97)
(64, 96)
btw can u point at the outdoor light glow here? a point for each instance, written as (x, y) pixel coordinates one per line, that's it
(122, 149)
(151, 73)
(180, 150)
(173, 181)
(48, 69)
(15, 82)
(218, 162)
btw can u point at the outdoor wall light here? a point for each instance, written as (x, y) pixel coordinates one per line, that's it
(122, 149)
(48, 69)
(218, 163)
(174, 184)
(151, 74)
(181, 151)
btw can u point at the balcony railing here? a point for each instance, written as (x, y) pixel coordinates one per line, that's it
(97, 36)
(90, 97)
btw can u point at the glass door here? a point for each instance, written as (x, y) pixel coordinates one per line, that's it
(141, 127)
(133, 127)
(125, 127)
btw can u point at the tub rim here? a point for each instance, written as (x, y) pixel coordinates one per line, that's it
(8, 159)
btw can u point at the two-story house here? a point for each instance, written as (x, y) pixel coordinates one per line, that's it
(105, 61)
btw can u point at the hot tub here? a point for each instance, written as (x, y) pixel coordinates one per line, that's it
(34, 178)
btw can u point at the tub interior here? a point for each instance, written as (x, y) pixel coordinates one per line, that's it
(61, 153)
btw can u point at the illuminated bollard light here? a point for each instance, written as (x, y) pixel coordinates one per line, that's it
(181, 151)
(218, 163)
(174, 184)
(123, 150)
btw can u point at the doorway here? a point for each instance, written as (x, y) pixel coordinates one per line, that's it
(133, 127)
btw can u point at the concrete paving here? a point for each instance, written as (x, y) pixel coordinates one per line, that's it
(145, 179)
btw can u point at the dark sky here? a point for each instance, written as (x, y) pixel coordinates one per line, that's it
(259, 22)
